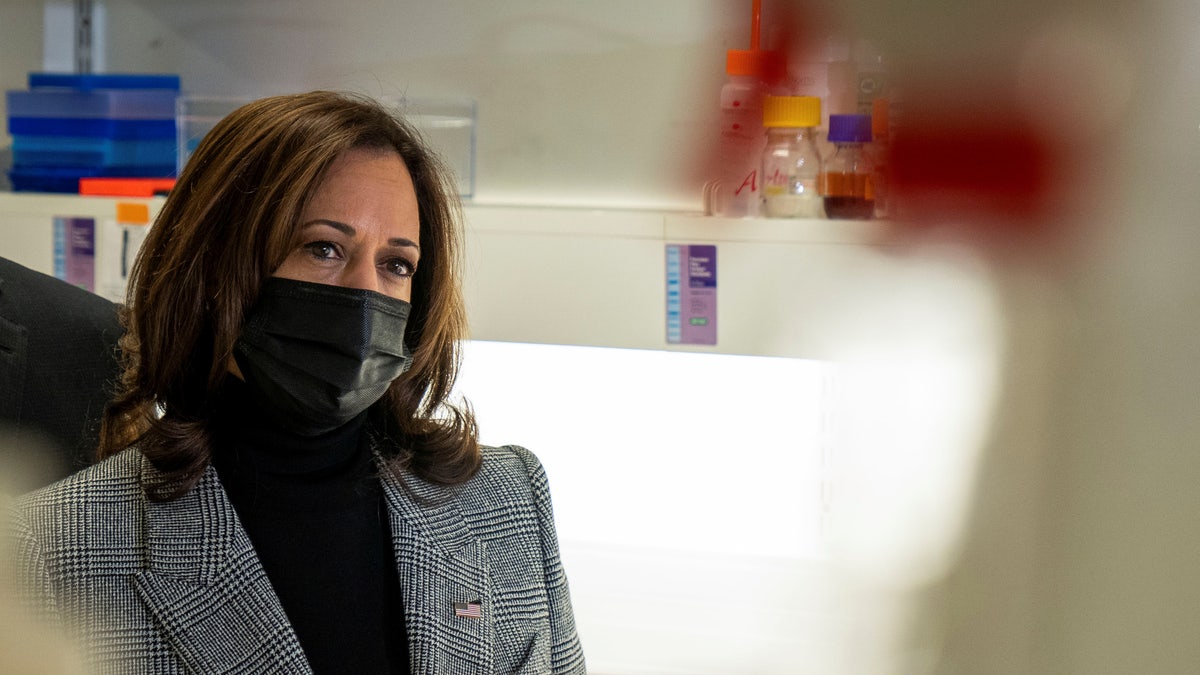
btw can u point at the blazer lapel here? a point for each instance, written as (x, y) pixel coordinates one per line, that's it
(441, 564)
(207, 589)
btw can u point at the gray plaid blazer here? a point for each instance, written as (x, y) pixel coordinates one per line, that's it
(176, 587)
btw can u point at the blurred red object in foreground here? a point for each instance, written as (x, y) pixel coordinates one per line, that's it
(986, 173)
(982, 166)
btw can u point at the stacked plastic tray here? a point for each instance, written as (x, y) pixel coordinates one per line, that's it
(67, 127)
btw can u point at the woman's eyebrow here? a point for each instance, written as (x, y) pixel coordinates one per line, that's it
(349, 231)
(339, 226)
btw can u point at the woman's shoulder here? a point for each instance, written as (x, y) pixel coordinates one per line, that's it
(509, 455)
(509, 475)
(88, 525)
(112, 481)
(511, 462)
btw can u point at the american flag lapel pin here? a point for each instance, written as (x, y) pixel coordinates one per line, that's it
(469, 610)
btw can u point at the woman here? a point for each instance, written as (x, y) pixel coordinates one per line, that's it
(284, 485)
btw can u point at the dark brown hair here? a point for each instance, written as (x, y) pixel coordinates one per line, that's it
(226, 226)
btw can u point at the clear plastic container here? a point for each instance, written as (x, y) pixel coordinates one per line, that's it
(195, 116)
(791, 163)
(447, 125)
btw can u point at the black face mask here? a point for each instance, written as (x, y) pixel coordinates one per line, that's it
(316, 355)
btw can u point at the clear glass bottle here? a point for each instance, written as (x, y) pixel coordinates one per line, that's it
(848, 182)
(791, 163)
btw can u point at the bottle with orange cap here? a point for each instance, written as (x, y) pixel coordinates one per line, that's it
(751, 73)
(791, 163)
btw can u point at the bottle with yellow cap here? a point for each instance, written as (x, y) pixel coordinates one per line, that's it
(791, 163)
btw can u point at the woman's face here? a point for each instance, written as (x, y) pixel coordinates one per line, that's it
(361, 229)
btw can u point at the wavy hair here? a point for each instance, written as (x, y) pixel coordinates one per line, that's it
(225, 227)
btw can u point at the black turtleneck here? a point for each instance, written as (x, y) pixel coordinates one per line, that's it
(313, 508)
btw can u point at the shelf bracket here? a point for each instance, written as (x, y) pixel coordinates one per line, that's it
(73, 34)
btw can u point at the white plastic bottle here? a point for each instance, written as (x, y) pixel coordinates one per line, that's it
(742, 133)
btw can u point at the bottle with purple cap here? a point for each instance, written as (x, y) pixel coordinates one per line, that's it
(847, 182)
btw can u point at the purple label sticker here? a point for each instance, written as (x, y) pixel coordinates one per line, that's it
(75, 251)
(691, 294)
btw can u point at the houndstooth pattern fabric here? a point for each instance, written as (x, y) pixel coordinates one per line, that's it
(176, 587)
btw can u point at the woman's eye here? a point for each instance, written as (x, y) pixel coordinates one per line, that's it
(400, 267)
(322, 249)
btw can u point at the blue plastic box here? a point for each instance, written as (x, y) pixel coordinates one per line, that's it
(90, 81)
(99, 127)
(120, 104)
(83, 151)
(111, 113)
(58, 179)
(68, 126)
(106, 105)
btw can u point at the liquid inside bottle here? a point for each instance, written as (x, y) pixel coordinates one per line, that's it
(791, 163)
(848, 194)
